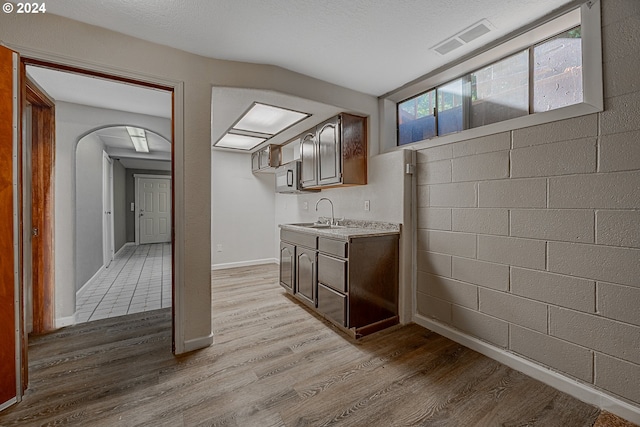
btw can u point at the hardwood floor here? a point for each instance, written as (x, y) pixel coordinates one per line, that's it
(273, 363)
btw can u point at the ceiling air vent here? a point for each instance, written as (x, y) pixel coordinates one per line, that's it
(465, 36)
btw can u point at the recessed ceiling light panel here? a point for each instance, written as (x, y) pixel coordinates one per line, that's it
(268, 120)
(239, 142)
(138, 138)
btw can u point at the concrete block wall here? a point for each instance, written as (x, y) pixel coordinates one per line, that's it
(530, 239)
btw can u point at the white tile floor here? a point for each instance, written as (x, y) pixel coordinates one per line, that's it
(138, 279)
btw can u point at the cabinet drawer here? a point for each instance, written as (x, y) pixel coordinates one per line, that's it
(333, 247)
(332, 272)
(332, 304)
(302, 239)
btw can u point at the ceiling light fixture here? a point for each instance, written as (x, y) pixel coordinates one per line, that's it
(138, 138)
(239, 142)
(268, 119)
(258, 124)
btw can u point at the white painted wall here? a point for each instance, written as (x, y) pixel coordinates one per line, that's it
(89, 258)
(242, 211)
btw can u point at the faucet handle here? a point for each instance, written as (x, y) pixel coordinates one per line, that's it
(337, 220)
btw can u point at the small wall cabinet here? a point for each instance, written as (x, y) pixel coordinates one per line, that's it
(335, 152)
(267, 159)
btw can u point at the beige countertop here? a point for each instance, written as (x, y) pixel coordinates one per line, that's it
(348, 229)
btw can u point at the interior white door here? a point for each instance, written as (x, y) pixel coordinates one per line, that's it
(154, 210)
(107, 209)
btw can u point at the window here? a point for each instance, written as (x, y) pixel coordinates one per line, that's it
(500, 91)
(557, 71)
(416, 118)
(551, 70)
(451, 97)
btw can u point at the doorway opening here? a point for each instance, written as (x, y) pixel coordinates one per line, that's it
(135, 274)
(96, 121)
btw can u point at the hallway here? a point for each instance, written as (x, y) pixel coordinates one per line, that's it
(138, 280)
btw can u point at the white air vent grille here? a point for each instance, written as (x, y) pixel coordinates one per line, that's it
(465, 36)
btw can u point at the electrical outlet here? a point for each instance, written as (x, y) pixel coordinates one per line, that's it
(133, 207)
(305, 206)
(367, 205)
(219, 247)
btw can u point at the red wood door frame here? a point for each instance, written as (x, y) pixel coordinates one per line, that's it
(42, 208)
(11, 326)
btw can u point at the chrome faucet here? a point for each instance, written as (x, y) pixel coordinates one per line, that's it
(332, 217)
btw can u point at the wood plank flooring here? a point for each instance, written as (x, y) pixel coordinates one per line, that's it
(273, 363)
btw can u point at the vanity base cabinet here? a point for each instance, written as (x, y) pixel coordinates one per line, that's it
(352, 283)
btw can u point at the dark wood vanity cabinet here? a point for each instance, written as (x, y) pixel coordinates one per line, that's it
(352, 283)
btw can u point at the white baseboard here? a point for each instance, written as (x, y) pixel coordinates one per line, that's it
(579, 390)
(61, 322)
(100, 270)
(124, 246)
(243, 263)
(84, 287)
(198, 343)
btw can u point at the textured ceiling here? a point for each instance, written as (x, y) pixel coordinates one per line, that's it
(372, 46)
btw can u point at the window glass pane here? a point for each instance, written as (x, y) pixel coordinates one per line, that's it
(450, 106)
(415, 118)
(557, 71)
(500, 91)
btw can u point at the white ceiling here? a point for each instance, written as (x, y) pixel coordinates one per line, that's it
(373, 46)
(101, 93)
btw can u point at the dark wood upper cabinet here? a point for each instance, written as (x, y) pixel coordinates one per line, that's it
(334, 153)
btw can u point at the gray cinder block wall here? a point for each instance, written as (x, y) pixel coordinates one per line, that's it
(530, 239)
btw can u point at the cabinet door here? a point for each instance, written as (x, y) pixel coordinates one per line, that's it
(264, 158)
(329, 152)
(287, 266)
(306, 275)
(308, 159)
(255, 161)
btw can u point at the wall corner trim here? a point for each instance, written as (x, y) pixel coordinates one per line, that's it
(197, 343)
(554, 379)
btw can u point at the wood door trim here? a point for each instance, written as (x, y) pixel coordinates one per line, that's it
(35, 94)
(86, 72)
(176, 87)
(42, 206)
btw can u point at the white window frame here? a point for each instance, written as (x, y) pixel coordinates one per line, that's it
(587, 16)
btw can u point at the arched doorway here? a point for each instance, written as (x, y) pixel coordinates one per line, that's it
(116, 272)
